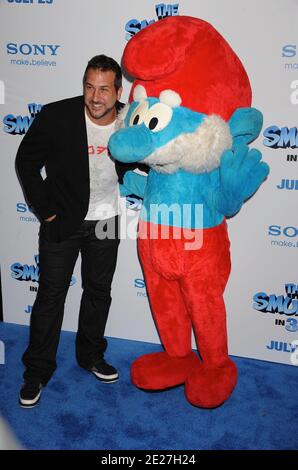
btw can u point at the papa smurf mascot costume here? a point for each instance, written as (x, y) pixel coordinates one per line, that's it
(190, 120)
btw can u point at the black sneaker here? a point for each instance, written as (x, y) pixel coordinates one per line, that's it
(30, 394)
(104, 371)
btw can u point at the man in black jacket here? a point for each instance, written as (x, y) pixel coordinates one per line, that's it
(69, 138)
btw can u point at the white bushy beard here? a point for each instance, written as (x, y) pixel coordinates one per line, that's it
(196, 152)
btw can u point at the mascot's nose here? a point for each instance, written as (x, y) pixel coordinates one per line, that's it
(131, 144)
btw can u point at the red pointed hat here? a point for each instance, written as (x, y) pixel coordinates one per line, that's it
(187, 55)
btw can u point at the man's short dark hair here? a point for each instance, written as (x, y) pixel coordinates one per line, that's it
(105, 64)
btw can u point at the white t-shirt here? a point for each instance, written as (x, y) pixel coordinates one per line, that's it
(104, 189)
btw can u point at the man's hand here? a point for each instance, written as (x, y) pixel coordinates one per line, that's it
(51, 218)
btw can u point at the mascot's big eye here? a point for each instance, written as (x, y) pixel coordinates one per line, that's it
(158, 117)
(139, 113)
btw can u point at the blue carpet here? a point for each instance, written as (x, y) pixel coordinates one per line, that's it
(78, 412)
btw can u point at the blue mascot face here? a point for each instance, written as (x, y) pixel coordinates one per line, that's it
(168, 137)
(150, 124)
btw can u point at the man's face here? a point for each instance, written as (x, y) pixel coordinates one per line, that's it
(100, 96)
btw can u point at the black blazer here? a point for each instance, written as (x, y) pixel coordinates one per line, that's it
(57, 139)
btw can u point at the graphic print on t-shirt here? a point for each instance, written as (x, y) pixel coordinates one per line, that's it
(104, 189)
(98, 150)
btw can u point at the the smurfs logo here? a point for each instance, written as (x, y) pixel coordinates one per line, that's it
(133, 26)
(282, 304)
(18, 125)
(280, 137)
(29, 273)
(25, 272)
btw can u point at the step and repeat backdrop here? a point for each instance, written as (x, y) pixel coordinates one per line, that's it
(44, 48)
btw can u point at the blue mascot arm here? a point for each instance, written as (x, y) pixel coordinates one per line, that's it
(241, 171)
(133, 183)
